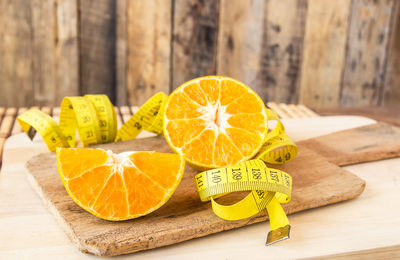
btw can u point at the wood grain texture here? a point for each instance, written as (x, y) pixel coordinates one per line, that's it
(194, 39)
(67, 51)
(16, 53)
(391, 93)
(281, 50)
(6, 124)
(316, 183)
(148, 43)
(324, 52)
(261, 47)
(97, 38)
(367, 52)
(121, 53)
(44, 36)
(240, 40)
(368, 143)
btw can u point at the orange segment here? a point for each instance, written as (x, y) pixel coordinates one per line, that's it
(248, 122)
(230, 91)
(226, 153)
(90, 184)
(223, 124)
(201, 148)
(185, 130)
(112, 201)
(196, 94)
(244, 140)
(123, 186)
(155, 172)
(76, 162)
(211, 87)
(182, 107)
(247, 103)
(142, 197)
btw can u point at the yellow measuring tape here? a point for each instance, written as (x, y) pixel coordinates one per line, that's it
(278, 148)
(93, 117)
(149, 117)
(269, 187)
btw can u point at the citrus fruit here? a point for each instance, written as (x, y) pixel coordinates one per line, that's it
(119, 186)
(215, 121)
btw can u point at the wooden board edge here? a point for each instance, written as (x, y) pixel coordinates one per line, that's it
(343, 159)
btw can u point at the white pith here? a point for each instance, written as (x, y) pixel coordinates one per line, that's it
(216, 116)
(119, 161)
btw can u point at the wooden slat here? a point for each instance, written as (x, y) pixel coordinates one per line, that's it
(44, 51)
(47, 110)
(366, 55)
(134, 109)
(287, 110)
(56, 111)
(307, 111)
(121, 53)
(291, 110)
(281, 50)
(126, 113)
(297, 111)
(261, 47)
(6, 124)
(194, 40)
(97, 39)
(119, 118)
(148, 43)
(2, 111)
(16, 127)
(324, 50)
(391, 93)
(2, 141)
(279, 111)
(16, 53)
(67, 50)
(240, 39)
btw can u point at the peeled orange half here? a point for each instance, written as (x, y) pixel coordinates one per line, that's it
(119, 186)
(215, 121)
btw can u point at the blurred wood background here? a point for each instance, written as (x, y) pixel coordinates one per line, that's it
(320, 53)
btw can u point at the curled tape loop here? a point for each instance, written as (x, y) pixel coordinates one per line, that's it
(93, 117)
(268, 188)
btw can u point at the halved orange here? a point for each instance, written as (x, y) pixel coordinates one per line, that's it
(119, 186)
(215, 121)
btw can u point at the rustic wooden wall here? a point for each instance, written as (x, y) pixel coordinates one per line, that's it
(321, 53)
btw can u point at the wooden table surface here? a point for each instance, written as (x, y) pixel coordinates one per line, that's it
(364, 227)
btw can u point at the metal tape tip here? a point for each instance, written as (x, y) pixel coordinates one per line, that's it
(278, 234)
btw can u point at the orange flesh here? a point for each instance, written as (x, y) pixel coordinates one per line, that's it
(215, 121)
(118, 187)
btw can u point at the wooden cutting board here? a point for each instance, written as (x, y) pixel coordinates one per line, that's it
(317, 182)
